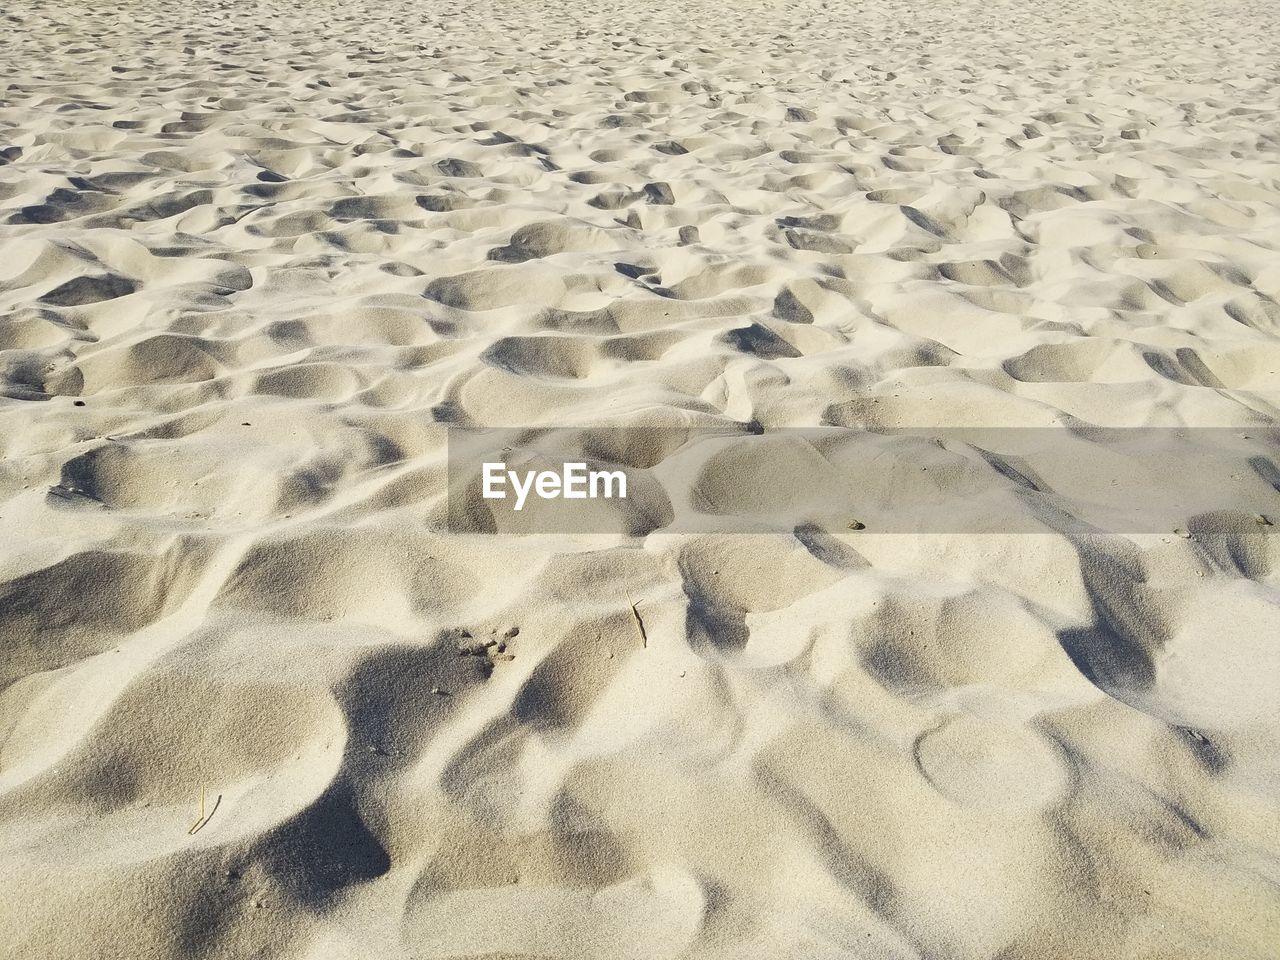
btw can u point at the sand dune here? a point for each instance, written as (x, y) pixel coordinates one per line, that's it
(259, 698)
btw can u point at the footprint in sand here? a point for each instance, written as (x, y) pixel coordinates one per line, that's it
(991, 764)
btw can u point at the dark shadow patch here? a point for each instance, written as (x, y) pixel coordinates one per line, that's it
(324, 849)
(786, 306)
(925, 222)
(1267, 470)
(1196, 369)
(1166, 367)
(453, 167)
(82, 291)
(824, 547)
(760, 341)
(816, 242)
(1115, 652)
(660, 194)
(632, 271)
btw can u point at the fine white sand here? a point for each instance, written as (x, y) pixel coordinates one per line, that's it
(255, 256)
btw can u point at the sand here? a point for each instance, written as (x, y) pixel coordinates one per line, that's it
(259, 699)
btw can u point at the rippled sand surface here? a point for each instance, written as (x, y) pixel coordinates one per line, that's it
(256, 699)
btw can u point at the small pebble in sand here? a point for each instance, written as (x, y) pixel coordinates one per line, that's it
(1260, 520)
(857, 525)
(1184, 533)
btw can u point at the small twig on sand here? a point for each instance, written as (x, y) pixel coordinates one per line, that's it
(635, 615)
(200, 823)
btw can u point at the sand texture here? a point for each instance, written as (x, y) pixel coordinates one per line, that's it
(258, 700)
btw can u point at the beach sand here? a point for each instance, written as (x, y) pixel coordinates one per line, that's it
(259, 699)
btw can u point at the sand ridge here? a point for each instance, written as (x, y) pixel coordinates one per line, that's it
(256, 257)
